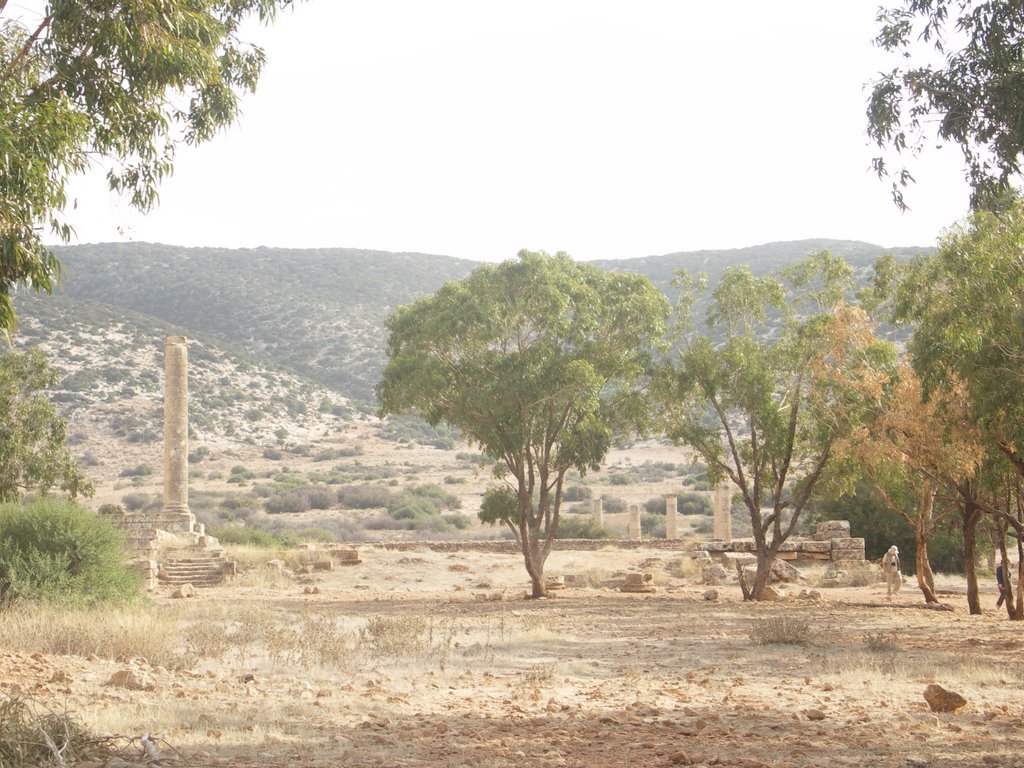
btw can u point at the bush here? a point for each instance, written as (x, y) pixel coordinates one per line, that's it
(576, 528)
(198, 455)
(284, 503)
(620, 479)
(133, 502)
(577, 493)
(320, 498)
(364, 496)
(693, 504)
(652, 526)
(57, 551)
(142, 470)
(249, 536)
(613, 504)
(274, 454)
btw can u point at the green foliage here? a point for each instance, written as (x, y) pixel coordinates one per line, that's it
(140, 470)
(653, 526)
(577, 493)
(59, 552)
(364, 496)
(118, 82)
(500, 505)
(686, 504)
(253, 537)
(582, 528)
(971, 100)
(880, 528)
(693, 504)
(969, 321)
(299, 498)
(534, 360)
(778, 359)
(33, 456)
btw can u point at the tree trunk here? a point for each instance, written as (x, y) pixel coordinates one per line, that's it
(1018, 609)
(766, 554)
(761, 577)
(533, 559)
(922, 567)
(924, 499)
(970, 517)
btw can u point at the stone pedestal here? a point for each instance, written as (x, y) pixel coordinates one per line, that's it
(671, 518)
(176, 514)
(634, 522)
(723, 509)
(597, 512)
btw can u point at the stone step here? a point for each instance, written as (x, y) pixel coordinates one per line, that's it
(203, 571)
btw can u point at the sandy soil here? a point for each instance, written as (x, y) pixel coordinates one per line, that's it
(592, 677)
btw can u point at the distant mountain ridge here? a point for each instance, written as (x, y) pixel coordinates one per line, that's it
(321, 312)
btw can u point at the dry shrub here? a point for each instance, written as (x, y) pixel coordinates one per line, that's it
(780, 630)
(249, 556)
(536, 679)
(538, 628)
(207, 639)
(395, 635)
(881, 642)
(592, 578)
(108, 633)
(32, 735)
(691, 567)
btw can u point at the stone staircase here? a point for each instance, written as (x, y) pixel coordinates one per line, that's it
(200, 568)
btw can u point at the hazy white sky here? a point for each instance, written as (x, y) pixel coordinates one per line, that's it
(608, 129)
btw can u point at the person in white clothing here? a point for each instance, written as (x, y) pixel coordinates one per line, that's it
(891, 569)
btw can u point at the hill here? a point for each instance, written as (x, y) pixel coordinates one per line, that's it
(321, 313)
(285, 349)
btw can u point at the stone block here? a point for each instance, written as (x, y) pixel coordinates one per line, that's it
(847, 544)
(732, 559)
(815, 546)
(830, 529)
(714, 574)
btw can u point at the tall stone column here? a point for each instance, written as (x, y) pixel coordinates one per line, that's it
(671, 517)
(597, 511)
(723, 509)
(176, 432)
(634, 522)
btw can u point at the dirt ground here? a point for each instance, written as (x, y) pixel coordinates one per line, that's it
(439, 661)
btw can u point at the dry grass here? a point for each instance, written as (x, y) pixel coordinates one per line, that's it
(781, 630)
(109, 633)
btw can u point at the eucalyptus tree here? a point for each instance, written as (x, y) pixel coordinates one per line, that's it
(919, 455)
(537, 360)
(963, 304)
(959, 80)
(33, 455)
(119, 83)
(764, 395)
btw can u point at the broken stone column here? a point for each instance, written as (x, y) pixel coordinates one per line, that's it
(176, 515)
(597, 512)
(634, 522)
(723, 517)
(671, 517)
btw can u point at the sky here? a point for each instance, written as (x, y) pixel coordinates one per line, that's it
(605, 128)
